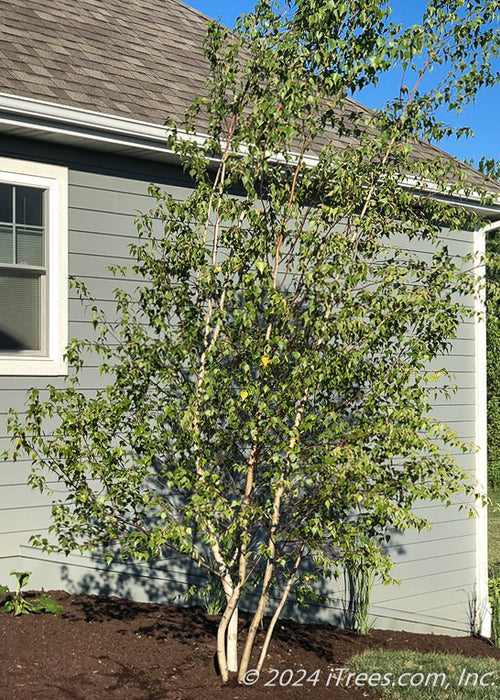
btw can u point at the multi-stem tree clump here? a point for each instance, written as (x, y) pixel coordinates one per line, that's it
(267, 411)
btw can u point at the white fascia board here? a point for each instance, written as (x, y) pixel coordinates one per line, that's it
(466, 198)
(77, 118)
(88, 125)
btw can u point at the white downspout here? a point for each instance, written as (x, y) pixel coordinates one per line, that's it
(482, 598)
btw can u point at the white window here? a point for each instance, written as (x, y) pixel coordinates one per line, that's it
(33, 268)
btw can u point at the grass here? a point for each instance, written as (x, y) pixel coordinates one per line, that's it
(494, 534)
(428, 676)
(407, 675)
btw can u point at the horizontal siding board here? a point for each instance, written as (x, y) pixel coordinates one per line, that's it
(414, 599)
(461, 397)
(464, 380)
(454, 234)
(456, 620)
(164, 567)
(19, 386)
(84, 330)
(421, 590)
(85, 243)
(81, 311)
(456, 246)
(20, 496)
(425, 606)
(458, 501)
(446, 519)
(438, 531)
(114, 201)
(112, 183)
(452, 363)
(100, 282)
(462, 605)
(92, 264)
(11, 541)
(419, 550)
(453, 412)
(12, 399)
(463, 346)
(411, 567)
(385, 618)
(17, 399)
(424, 598)
(464, 428)
(100, 581)
(102, 222)
(29, 517)
(14, 473)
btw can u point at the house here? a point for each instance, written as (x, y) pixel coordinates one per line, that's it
(84, 90)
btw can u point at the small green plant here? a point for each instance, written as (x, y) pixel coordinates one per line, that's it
(362, 583)
(360, 572)
(17, 604)
(494, 585)
(212, 596)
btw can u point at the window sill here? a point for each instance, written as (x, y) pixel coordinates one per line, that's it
(12, 365)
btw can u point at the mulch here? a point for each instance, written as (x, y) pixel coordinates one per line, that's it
(103, 648)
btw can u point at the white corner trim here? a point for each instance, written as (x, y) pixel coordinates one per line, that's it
(54, 179)
(482, 597)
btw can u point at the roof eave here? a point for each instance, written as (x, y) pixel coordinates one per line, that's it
(24, 116)
(31, 118)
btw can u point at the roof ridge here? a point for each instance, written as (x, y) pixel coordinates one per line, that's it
(195, 11)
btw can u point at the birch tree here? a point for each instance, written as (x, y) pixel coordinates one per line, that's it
(267, 411)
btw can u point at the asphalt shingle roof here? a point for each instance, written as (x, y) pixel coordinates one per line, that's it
(141, 59)
(132, 58)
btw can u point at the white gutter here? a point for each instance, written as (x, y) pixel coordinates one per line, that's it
(39, 110)
(49, 116)
(429, 187)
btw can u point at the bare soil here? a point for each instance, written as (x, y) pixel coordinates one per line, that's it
(103, 648)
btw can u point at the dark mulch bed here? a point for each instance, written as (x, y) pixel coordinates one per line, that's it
(112, 648)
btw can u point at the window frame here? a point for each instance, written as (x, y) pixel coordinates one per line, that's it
(53, 179)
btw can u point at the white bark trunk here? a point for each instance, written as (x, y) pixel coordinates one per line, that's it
(227, 633)
(232, 643)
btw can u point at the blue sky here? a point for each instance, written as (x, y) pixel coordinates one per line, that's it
(483, 116)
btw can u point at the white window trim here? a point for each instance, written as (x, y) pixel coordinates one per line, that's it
(54, 179)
